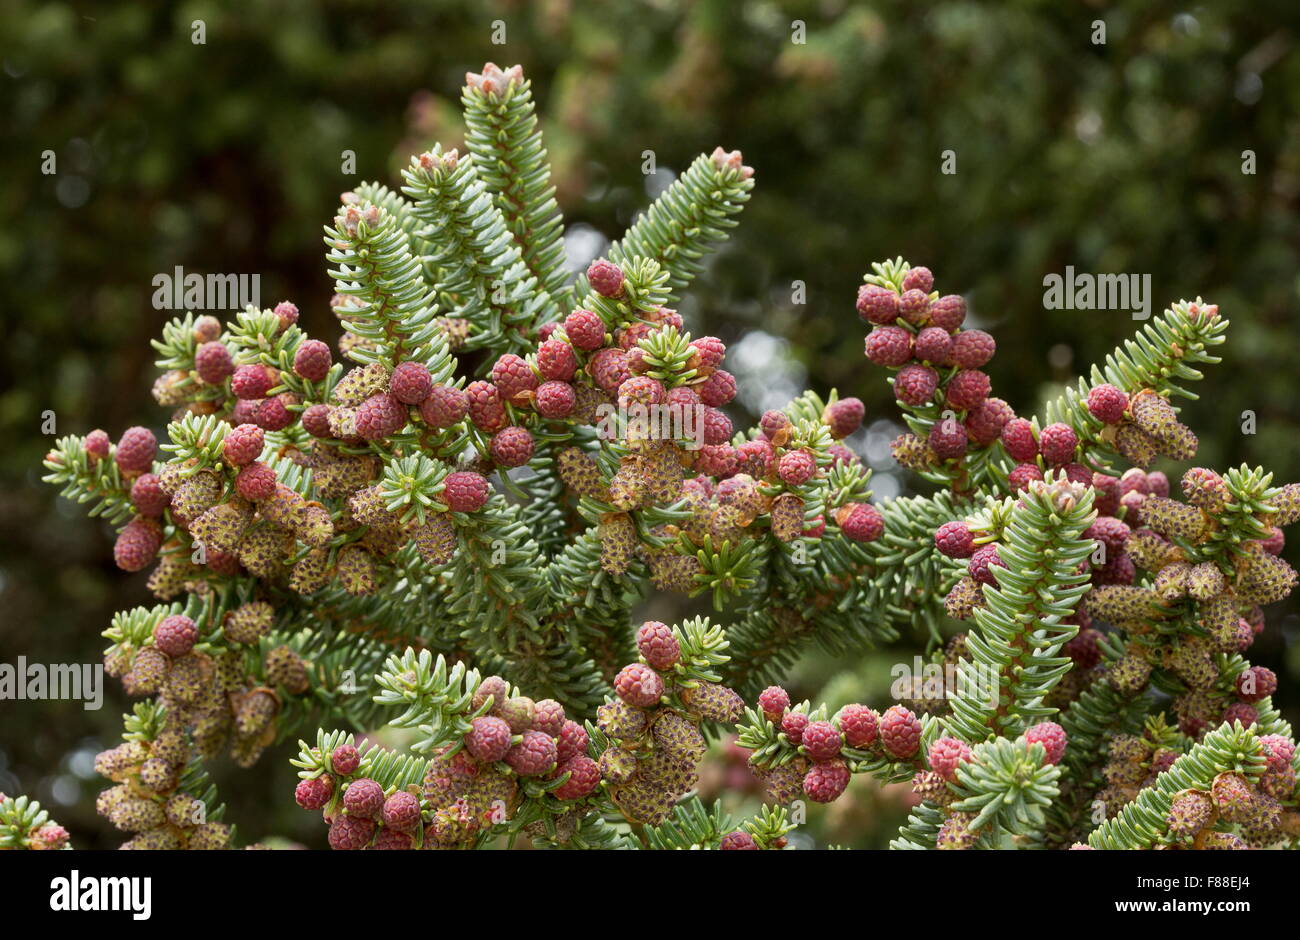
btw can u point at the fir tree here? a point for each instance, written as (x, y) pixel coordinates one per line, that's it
(449, 528)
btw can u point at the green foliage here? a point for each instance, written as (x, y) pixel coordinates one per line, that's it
(21, 823)
(695, 826)
(688, 220)
(1023, 627)
(1006, 783)
(390, 307)
(502, 132)
(436, 697)
(481, 274)
(550, 617)
(1143, 824)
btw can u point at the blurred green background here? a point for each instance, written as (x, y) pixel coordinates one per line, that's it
(226, 156)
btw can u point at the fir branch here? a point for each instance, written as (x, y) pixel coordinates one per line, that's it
(543, 512)
(688, 220)
(390, 308)
(598, 604)
(1006, 784)
(482, 276)
(503, 564)
(921, 829)
(436, 697)
(502, 132)
(1090, 721)
(1143, 824)
(87, 479)
(1163, 355)
(904, 579)
(766, 642)
(24, 824)
(1023, 625)
(847, 595)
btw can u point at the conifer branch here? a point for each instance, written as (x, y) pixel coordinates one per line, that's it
(1145, 823)
(482, 276)
(503, 134)
(689, 219)
(396, 542)
(1024, 622)
(24, 824)
(389, 308)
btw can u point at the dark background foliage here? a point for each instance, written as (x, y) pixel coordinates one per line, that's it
(226, 157)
